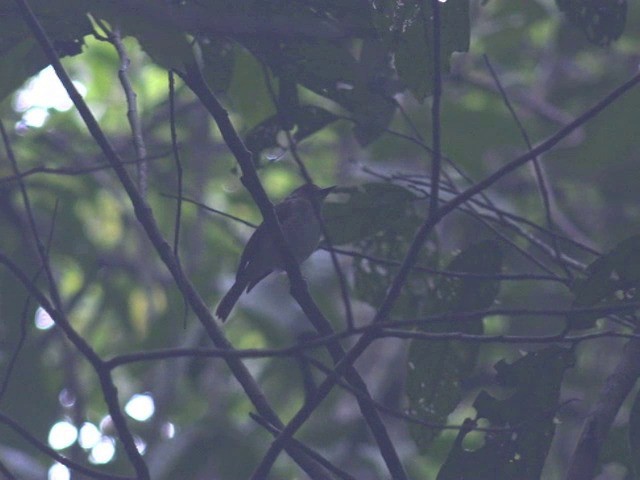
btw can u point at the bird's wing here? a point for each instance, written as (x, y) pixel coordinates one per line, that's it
(252, 246)
(284, 211)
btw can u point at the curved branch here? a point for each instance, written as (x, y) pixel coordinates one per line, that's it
(585, 458)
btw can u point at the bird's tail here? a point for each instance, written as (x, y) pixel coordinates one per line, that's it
(229, 300)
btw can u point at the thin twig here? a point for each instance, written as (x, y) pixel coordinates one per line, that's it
(25, 310)
(378, 331)
(42, 253)
(541, 176)
(176, 156)
(142, 166)
(210, 209)
(392, 263)
(403, 415)
(436, 68)
(508, 219)
(65, 171)
(342, 282)
(178, 162)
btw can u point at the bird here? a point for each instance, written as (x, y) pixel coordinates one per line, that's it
(302, 230)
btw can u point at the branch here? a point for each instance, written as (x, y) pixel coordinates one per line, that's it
(25, 309)
(65, 171)
(392, 329)
(436, 159)
(320, 459)
(585, 458)
(115, 38)
(176, 157)
(479, 187)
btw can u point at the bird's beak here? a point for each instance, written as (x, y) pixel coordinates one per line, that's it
(326, 191)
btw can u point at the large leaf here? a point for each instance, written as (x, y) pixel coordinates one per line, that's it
(611, 279)
(329, 69)
(527, 417)
(371, 278)
(410, 35)
(602, 21)
(436, 369)
(371, 208)
(154, 28)
(218, 60)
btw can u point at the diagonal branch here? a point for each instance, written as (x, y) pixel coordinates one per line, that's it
(115, 38)
(540, 172)
(585, 458)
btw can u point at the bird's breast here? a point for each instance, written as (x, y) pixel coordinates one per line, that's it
(303, 236)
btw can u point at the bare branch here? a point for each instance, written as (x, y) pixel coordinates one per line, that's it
(584, 461)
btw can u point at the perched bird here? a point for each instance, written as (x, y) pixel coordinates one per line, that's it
(260, 257)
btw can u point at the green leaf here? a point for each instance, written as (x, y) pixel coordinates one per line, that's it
(218, 59)
(611, 280)
(601, 21)
(403, 25)
(527, 416)
(248, 76)
(288, 101)
(436, 369)
(371, 208)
